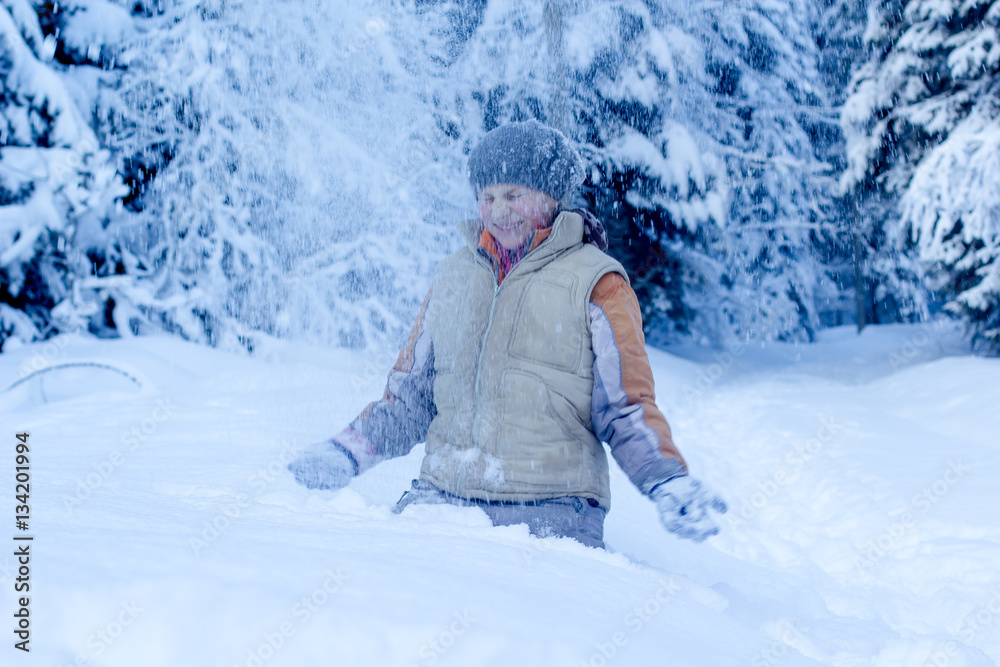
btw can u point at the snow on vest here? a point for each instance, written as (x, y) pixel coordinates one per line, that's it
(514, 372)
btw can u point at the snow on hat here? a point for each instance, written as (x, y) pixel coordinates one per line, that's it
(529, 154)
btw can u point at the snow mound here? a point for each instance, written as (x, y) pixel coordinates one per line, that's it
(167, 531)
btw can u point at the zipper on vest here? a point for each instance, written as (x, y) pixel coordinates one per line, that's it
(482, 259)
(482, 347)
(482, 354)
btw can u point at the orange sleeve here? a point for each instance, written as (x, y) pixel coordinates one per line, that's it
(615, 297)
(394, 423)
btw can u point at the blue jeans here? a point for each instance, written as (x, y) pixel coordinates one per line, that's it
(567, 516)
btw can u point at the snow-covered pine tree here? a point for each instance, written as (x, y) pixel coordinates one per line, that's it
(838, 33)
(923, 128)
(749, 93)
(58, 187)
(304, 191)
(887, 284)
(704, 123)
(168, 121)
(286, 171)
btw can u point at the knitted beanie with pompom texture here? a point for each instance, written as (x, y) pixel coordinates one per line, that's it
(527, 153)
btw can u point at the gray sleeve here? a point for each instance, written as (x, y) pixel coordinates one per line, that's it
(400, 419)
(622, 422)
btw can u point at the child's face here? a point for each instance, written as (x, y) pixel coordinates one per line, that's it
(512, 212)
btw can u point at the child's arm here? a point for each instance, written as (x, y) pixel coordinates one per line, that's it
(393, 424)
(624, 411)
(388, 427)
(625, 415)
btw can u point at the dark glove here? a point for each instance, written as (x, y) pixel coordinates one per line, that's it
(324, 465)
(684, 508)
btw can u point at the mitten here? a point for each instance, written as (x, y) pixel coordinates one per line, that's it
(324, 465)
(684, 508)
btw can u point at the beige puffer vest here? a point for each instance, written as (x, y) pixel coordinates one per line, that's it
(514, 372)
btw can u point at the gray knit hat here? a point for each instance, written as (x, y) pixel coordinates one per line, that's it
(527, 153)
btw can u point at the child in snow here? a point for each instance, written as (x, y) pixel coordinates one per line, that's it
(527, 353)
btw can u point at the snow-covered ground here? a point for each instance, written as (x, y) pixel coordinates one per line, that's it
(862, 475)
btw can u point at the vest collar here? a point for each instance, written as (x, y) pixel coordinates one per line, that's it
(567, 231)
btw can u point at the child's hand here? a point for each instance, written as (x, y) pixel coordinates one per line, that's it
(324, 465)
(684, 508)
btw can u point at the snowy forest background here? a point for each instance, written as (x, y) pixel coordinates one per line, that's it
(226, 170)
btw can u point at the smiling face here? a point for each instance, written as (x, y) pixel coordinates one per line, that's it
(512, 212)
